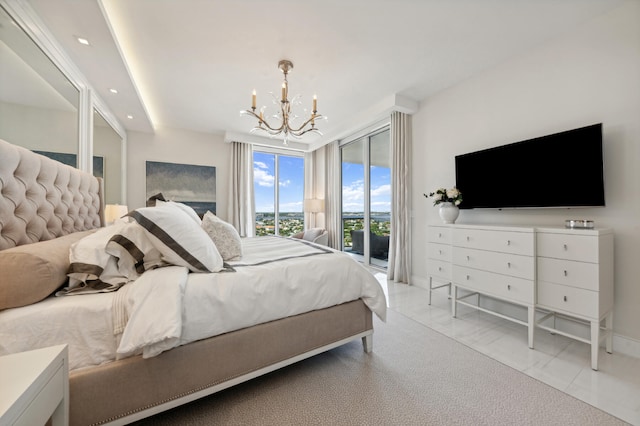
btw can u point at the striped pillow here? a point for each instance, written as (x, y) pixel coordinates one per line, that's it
(178, 238)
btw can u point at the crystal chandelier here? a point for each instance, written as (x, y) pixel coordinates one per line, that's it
(286, 124)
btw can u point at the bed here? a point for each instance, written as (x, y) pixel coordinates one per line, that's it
(170, 332)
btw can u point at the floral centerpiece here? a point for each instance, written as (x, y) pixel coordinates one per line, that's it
(443, 195)
(449, 200)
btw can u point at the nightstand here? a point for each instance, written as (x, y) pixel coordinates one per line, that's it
(35, 387)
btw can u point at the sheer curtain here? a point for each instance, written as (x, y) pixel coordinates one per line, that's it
(241, 204)
(332, 196)
(399, 265)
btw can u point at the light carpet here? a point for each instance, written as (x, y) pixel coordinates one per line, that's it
(414, 376)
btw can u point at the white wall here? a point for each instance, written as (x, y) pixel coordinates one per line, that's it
(588, 76)
(176, 146)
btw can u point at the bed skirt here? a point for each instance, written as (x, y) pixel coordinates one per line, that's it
(123, 391)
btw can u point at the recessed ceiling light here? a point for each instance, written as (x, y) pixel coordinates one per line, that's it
(130, 117)
(114, 91)
(82, 40)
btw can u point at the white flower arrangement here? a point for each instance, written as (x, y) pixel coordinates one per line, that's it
(443, 195)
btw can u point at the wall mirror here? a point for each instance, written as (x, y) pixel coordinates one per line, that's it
(107, 158)
(38, 104)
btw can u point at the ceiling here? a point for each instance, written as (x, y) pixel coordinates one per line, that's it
(192, 64)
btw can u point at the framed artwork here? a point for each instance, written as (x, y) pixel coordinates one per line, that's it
(72, 160)
(192, 185)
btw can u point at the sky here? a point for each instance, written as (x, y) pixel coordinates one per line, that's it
(291, 184)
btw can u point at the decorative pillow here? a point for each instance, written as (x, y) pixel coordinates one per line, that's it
(312, 233)
(187, 209)
(32, 272)
(223, 235)
(134, 250)
(177, 236)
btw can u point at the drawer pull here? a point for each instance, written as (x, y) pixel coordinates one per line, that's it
(565, 298)
(440, 268)
(439, 251)
(565, 273)
(439, 235)
(565, 247)
(508, 264)
(508, 242)
(467, 277)
(467, 258)
(508, 286)
(467, 238)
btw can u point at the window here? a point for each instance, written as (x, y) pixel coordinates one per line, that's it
(366, 197)
(278, 180)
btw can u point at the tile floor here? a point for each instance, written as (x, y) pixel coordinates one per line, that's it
(558, 361)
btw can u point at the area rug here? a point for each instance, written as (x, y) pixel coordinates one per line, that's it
(414, 376)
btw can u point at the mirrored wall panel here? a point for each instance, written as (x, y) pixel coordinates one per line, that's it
(107, 158)
(38, 104)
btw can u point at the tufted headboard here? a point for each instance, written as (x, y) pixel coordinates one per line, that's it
(42, 199)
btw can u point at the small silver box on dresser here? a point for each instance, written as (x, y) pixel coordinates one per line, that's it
(440, 255)
(575, 280)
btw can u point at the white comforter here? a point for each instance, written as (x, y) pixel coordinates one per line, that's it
(275, 278)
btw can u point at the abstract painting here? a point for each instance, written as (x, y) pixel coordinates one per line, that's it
(192, 185)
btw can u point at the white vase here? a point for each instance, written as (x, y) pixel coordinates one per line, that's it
(448, 212)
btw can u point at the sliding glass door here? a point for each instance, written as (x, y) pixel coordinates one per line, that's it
(366, 197)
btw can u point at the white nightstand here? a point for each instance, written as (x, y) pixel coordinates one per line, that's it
(35, 387)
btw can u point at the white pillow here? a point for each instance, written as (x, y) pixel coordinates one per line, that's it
(177, 236)
(223, 235)
(187, 209)
(135, 251)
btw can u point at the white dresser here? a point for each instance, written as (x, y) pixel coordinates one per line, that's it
(558, 272)
(497, 262)
(575, 281)
(439, 251)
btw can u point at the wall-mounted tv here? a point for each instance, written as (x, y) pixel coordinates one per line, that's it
(564, 169)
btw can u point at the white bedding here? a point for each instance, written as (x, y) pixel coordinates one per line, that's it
(275, 278)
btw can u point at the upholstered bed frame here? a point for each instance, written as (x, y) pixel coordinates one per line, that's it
(41, 199)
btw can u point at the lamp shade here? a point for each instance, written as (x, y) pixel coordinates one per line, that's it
(313, 205)
(112, 212)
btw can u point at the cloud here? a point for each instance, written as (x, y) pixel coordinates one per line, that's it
(382, 190)
(261, 174)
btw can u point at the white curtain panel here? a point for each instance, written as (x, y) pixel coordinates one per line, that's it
(241, 204)
(399, 265)
(309, 186)
(332, 197)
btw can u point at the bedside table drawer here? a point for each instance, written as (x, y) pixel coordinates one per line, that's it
(582, 248)
(501, 241)
(440, 269)
(440, 252)
(571, 273)
(439, 234)
(570, 300)
(502, 263)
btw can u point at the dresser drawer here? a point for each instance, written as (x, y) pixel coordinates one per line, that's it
(569, 300)
(440, 252)
(497, 285)
(440, 269)
(502, 263)
(568, 272)
(501, 241)
(439, 234)
(582, 248)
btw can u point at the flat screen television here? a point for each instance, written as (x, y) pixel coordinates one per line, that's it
(564, 169)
